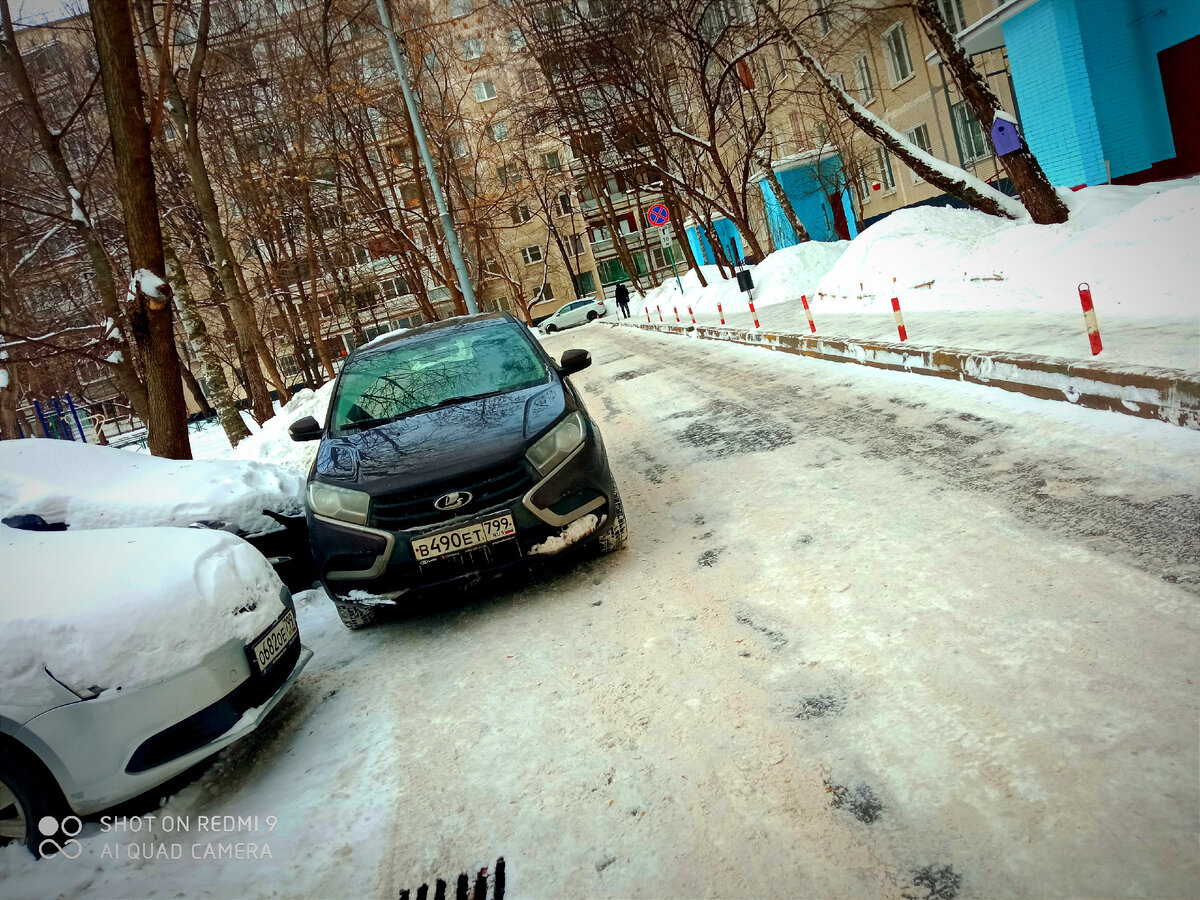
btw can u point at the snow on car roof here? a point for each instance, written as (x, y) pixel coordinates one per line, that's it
(89, 486)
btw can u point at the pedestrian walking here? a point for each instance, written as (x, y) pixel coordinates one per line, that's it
(622, 297)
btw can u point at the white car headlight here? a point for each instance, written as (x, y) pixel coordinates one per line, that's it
(338, 502)
(558, 444)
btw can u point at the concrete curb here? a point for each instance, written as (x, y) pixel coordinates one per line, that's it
(1172, 395)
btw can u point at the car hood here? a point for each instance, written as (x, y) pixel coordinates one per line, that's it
(441, 443)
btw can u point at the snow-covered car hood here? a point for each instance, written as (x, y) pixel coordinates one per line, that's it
(87, 486)
(124, 607)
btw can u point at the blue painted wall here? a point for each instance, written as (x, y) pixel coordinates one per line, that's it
(805, 187)
(702, 248)
(1088, 85)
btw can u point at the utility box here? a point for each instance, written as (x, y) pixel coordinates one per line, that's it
(745, 281)
(1006, 134)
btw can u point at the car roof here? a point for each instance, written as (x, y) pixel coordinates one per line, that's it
(457, 323)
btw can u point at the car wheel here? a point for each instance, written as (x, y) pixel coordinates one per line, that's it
(355, 615)
(593, 315)
(550, 329)
(26, 797)
(614, 538)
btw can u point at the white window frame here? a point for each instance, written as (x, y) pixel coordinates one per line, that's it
(521, 214)
(821, 10)
(927, 145)
(516, 40)
(460, 8)
(557, 157)
(895, 75)
(865, 83)
(531, 258)
(887, 175)
(485, 90)
(498, 131)
(952, 15)
(472, 48)
(565, 208)
(962, 118)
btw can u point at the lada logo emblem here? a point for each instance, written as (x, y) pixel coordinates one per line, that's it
(453, 500)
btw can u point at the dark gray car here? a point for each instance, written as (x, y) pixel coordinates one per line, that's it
(452, 451)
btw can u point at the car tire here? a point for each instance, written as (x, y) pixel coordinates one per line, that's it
(592, 316)
(356, 615)
(26, 797)
(618, 532)
(550, 329)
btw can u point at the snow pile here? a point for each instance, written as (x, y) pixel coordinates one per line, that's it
(572, 534)
(272, 442)
(1135, 246)
(782, 276)
(123, 608)
(88, 486)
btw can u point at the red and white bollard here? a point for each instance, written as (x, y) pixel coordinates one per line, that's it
(808, 312)
(678, 321)
(899, 319)
(753, 313)
(659, 308)
(1089, 317)
(721, 313)
(692, 314)
(648, 322)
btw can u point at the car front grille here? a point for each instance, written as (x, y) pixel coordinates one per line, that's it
(414, 509)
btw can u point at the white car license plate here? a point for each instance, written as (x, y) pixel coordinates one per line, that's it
(459, 539)
(275, 641)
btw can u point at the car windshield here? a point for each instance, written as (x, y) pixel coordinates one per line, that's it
(440, 369)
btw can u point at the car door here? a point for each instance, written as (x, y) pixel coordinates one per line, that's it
(572, 314)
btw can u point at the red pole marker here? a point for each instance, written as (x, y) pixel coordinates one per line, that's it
(1089, 317)
(899, 319)
(808, 312)
(753, 313)
(648, 316)
(677, 320)
(722, 313)
(692, 314)
(659, 308)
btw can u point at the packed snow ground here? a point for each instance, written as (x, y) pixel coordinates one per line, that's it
(974, 282)
(872, 632)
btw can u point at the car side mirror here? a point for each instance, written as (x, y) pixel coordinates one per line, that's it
(574, 361)
(306, 429)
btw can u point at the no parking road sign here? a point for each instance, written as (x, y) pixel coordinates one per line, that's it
(658, 215)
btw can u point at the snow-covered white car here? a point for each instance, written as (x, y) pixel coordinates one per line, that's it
(577, 312)
(127, 655)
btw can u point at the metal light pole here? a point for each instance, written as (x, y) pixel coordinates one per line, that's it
(410, 101)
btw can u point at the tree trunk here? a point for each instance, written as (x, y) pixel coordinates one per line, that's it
(210, 366)
(966, 187)
(193, 386)
(785, 202)
(260, 343)
(1041, 200)
(150, 317)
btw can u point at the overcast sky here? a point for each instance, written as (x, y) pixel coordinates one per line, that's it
(33, 12)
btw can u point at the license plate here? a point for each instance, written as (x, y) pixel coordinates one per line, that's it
(272, 644)
(459, 539)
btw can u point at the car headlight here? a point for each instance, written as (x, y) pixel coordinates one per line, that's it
(338, 503)
(558, 444)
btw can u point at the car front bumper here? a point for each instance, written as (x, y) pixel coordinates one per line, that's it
(360, 562)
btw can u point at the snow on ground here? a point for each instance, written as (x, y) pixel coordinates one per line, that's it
(89, 486)
(122, 609)
(974, 282)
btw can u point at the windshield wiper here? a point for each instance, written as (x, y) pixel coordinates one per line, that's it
(453, 401)
(367, 423)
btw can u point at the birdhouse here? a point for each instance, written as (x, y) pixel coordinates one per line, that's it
(1006, 133)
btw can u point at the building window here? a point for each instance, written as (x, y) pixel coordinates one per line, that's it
(552, 162)
(660, 257)
(491, 267)
(585, 283)
(895, 51)
(865, 185)
(485, 90)
(393, 287)
(972, 145)
(884, 160)
(431, 62)
(510, 174)
(516, 40)
(862, 75)
(546, 292)
(611, 271)
(499, 131)
(472, 48)
(460, 8)
(529, 82)
(521, 214)
(531, 255)
(565, 206)
(576, 245)
(952, 14)
(458, 149)
(920, 137)
(822, 10)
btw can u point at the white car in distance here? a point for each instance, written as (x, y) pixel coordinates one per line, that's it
(577, 312)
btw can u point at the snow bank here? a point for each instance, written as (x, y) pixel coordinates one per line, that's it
(123, 608)
(572, 534)
(89, 486)
(272, 442)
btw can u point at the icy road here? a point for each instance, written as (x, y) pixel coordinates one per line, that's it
(873, 635)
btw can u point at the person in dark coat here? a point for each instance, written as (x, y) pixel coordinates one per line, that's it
(622, 298)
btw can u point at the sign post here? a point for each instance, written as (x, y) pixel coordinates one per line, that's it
(658, 215)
